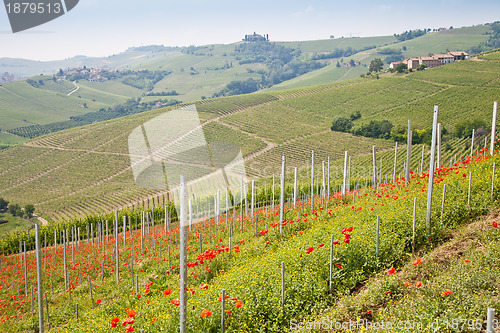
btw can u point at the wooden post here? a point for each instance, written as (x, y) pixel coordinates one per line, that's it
(295, 188)
(395, 160)
(39, 278)
(344, 185)
(282, 194)
(431, 171)
(472, 143)
(493, 128)
(312, 181)
(183, 255)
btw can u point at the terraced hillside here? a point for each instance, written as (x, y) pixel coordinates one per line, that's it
(87, 170)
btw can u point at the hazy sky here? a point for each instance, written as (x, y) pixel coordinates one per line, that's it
(105, 27)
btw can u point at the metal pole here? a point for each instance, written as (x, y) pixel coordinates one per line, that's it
(378, 237)
(295, 188)
(312, 181)
(39, 279)
(472, 143)
(282, 194)
(490, 319)
(117, 268)
(331, 266)
(344, 185)
(414, 222)
(442, 202)
(493, 180)
(183, 255)
(374, 176)
(493, 128)
(431, 171)
(438, 147)
(282, 283)
(223, 301)
(395, 160)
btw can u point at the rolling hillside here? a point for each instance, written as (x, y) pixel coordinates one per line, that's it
(87, 170)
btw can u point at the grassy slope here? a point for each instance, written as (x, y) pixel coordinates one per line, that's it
(86, 170)
(15, 223)
(435, 42)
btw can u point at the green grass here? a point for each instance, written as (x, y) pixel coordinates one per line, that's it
(15, 224)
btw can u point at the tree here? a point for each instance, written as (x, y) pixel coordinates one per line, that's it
(332, 36)
(401, 67)
(338, 64)
(421, 67)
(29, 210)
(376, 65)
(15, 210)
(3, 204)
(404, 47)
(355, 115)
(60, 73)
(341, 124)
(352, 63)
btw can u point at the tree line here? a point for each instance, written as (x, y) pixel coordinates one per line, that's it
(16, 210)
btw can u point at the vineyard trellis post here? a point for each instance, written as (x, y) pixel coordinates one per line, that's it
(328, 177)
(493, 128)
(377, 238)
(331, 267)
(469, 192)
(183, 255)
(272, 203)
(374, 174)
(472, 143)
(323, 189)
(344, 185)
(408, 152)
(395, 160)
(349, 174)
(422, 159)
(282, 194)
(312, 181)
(295, 188)
(490, 318)
(39, 279)
(116, 253)
(431, 171)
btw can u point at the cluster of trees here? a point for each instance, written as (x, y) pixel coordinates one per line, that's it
(463, 129)
(145, 80)
(35, 84)
(163, 93)
(16, 210)
(407, 35)
(493, 41)
(381, 129)
(283, 63)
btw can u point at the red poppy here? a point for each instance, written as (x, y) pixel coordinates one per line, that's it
(167, 292)
(128, 321)
(175, 302)
(236, 248)
(309, 250)
(129, 328)
(153, 320)
(131, 313)
(239, 304)
(98, 301)
(467, 260)
(321, 245)
(228, 312)
(391, 271)
(336, 242)
(495, 224)
(206, 313)
(418, 284)
(204, 286)
(407, 284)
(387, 292)
(417, 262)
(114, 322)
(446, 292)
(220, 297)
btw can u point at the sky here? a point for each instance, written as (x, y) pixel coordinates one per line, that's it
(103, 28)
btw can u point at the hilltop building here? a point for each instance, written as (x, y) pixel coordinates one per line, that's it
(434, 60)
(256, 38)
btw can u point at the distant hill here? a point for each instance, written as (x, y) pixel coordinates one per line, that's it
(87, 169)
(197, 73)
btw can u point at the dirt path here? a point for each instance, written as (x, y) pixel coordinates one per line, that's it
(74, 90)
(43, 221)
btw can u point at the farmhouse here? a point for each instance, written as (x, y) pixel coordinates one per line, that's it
(256, 38)
(434, 60)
